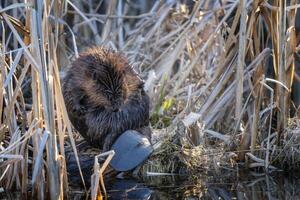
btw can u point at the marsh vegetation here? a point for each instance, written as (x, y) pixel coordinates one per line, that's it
(222, 76)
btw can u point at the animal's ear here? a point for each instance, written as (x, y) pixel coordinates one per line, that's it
(91, 74)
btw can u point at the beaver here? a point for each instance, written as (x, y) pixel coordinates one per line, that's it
(104, 97)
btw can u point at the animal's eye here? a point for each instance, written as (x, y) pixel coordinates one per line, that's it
(94, 76)
(82, 101)
(141, 85)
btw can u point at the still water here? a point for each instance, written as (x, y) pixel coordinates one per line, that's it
(225, 186)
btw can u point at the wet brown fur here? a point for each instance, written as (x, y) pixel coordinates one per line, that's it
(104, 96)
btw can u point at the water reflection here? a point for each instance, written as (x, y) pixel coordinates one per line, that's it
(129, 189)
(225, 186)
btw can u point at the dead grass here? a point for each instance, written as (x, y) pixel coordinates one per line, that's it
(226, 65)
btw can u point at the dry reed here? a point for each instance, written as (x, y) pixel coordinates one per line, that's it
(229, 66)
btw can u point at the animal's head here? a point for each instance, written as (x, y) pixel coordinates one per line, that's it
(108, 80)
